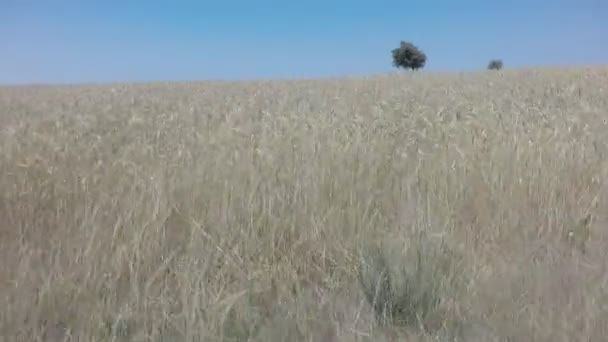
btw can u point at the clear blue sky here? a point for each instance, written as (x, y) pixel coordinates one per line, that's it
(45, 41)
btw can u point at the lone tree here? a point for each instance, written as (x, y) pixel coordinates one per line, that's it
(495, 64)
(408, 56)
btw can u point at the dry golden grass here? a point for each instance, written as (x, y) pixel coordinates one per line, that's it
(266, 211)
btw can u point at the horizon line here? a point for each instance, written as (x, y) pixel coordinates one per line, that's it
(396, 71)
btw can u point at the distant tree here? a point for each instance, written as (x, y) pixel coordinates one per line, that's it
(495, 64)
(408, 56)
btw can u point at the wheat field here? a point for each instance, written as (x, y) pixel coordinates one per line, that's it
(400, 207)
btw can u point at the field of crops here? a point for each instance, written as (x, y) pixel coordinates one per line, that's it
(414, 206)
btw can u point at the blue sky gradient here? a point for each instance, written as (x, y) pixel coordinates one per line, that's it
(116, 41)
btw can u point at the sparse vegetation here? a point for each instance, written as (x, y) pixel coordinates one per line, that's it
(402, 207)
(404, 283)
(495, 64)
(408, 56)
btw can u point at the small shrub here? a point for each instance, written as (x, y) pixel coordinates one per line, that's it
(495, 64)
(406, 287)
